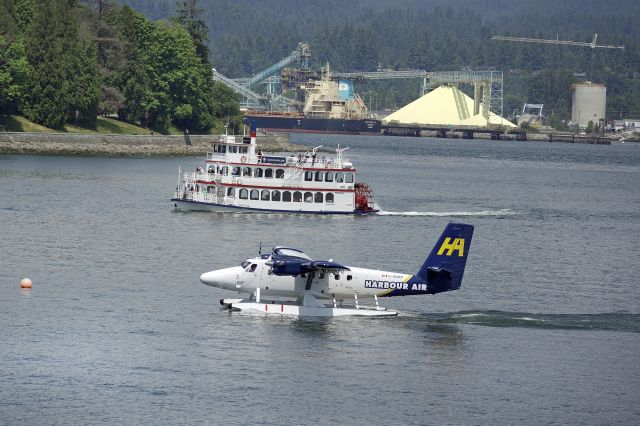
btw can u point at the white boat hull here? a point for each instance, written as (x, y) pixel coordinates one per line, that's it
(191, 205)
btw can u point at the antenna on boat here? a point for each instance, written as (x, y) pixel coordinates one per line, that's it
(260, 249)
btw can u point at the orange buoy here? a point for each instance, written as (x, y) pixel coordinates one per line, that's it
(25, 283)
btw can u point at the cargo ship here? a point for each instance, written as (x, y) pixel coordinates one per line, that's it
(328, 106)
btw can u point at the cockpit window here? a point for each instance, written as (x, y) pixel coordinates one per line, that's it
(285, 251)
(253, 267)
(245, 264)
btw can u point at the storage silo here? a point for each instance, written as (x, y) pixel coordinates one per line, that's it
(589, 102)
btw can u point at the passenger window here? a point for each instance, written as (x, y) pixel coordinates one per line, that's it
(308, 175)
(349, 277)
(253, 267)
(318, 197)
(308, 197)
(279, 174)
(329, 198)
(348, 177)
(268, 173)
(339, 177)
(275, 196)
(286, 196)
(319, 176)
(244, 194)
(246, 171)
(254, 194)
(231, 192)
(297, 197)
(337, 276)
(264, 195)
(328, 177)
(257, 172)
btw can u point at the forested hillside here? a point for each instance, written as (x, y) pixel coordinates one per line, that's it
(68, 60)
(65, 62)
(246, 36)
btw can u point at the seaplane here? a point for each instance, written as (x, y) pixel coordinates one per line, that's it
(324, 288)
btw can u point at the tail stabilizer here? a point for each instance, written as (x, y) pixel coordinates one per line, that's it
(443, 269)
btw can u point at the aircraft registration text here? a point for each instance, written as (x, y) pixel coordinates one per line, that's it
(385, 284)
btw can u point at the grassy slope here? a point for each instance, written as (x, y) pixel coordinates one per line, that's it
(14, 123)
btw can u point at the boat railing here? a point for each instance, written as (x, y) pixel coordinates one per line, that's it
(295, 174)
(216, 156)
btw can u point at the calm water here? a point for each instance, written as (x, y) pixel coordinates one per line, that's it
(118, 329)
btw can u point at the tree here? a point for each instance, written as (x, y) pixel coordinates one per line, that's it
(13, 75)
(63, 81)
(190, 16)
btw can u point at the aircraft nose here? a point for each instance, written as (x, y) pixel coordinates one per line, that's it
(209, 278)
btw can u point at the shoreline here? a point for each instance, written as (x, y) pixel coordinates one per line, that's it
(79, 144)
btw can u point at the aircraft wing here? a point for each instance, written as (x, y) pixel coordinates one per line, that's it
(297, 266)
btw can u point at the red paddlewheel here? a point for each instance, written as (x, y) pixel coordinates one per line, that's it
(364, 197)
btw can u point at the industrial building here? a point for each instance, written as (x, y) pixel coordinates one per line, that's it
(588, 103)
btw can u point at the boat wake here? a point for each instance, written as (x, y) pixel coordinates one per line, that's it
(482, 213)
(613, 321)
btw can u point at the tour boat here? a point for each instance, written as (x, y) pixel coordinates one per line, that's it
(238, 177)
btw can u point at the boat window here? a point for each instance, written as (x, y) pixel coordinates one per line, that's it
(244, 194)
(339, 177)
(279, 174)
(264, 195)
(328, 177)
(243, 150)
(234, 149)
(231, 192)
(318, 197)
(308, 197)
(349, 277)
(329, 198)
(275, 196)
(348, 177)
(211, 189)
(244, 264)
(252, 268)
(336, 276)
(268, 173)
(257, 172)
(224, 170)
(235, 171)
(297, 197)
(246, 171)
(321, 275)
(255, 194)
(308, 175)
(286, 196)
(319, 176)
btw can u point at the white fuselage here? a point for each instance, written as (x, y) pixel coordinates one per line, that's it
(365, 283)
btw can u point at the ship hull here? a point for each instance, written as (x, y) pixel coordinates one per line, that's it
(190, 205)
(315, 125)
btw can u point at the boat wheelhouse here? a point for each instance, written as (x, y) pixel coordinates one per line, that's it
(236, 176)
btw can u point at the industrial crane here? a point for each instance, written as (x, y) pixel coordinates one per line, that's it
(592, 45)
